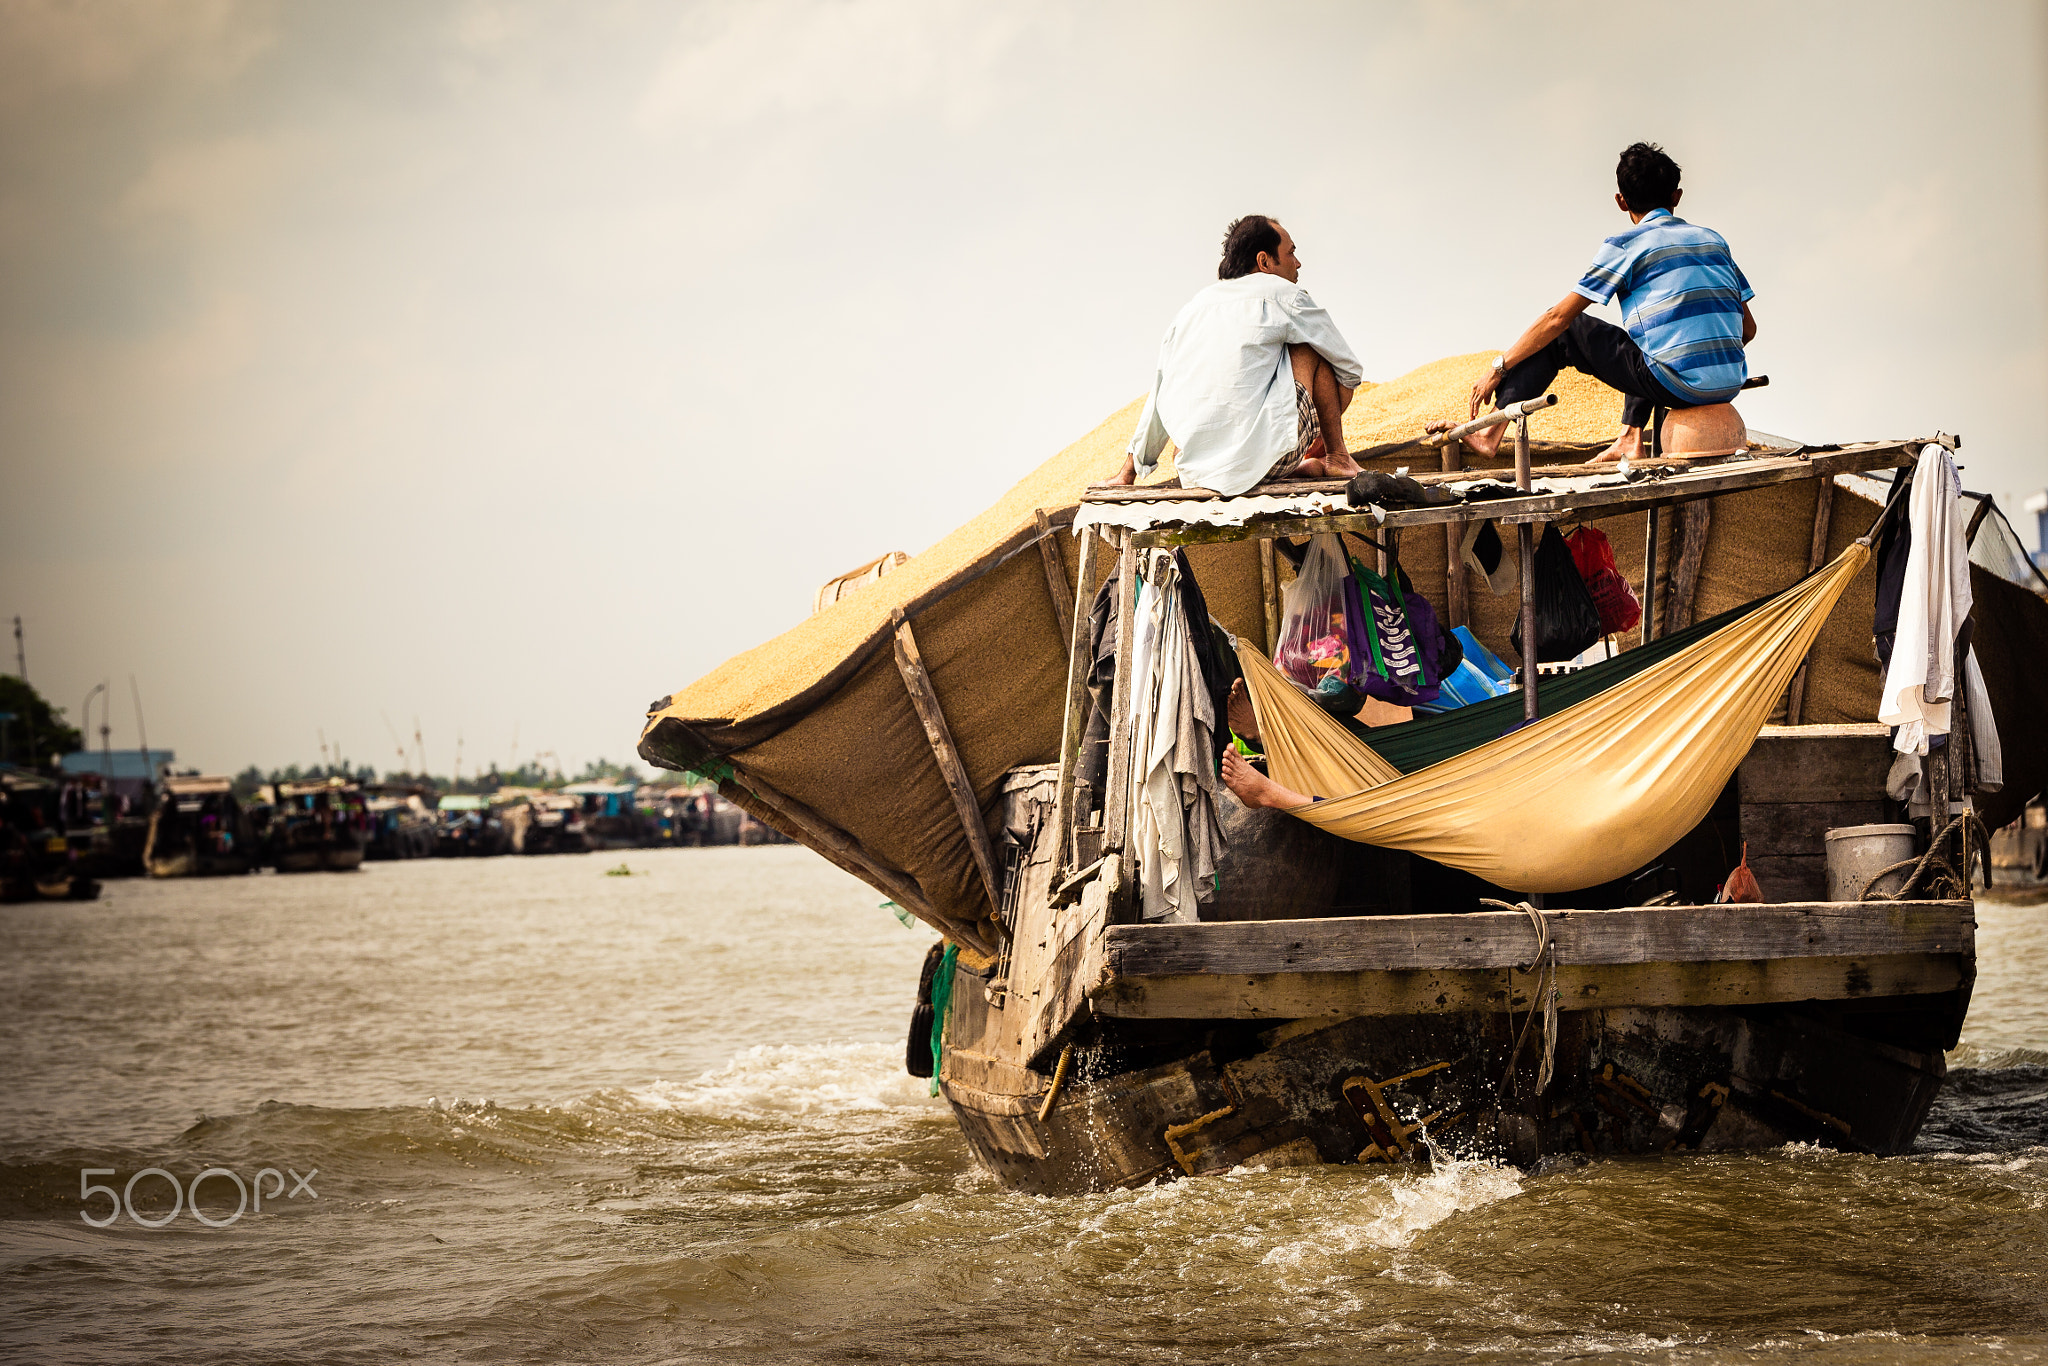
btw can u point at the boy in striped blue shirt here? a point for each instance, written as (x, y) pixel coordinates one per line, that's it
(1685, 303)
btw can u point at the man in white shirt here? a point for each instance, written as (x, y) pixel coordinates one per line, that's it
(1253, 378)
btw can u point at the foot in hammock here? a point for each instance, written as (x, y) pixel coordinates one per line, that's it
(1238, 711)
(1254, 788)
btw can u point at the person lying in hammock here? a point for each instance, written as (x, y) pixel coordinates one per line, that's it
(1253, 378)
(1254, 788)
(1684, 299)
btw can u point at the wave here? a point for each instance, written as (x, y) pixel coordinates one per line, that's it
(798, 1081)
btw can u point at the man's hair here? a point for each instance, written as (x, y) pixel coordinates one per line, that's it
(1646, 177)
(1242, 243)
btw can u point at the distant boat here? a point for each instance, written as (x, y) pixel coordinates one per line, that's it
(469, 826)
(611, 815)
(320, 826)
(401, 823)
(37, 863)
(198, 830)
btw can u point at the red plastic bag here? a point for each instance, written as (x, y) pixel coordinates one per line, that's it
(1619, 607)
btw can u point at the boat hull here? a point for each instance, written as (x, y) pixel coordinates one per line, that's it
(1388, 1089)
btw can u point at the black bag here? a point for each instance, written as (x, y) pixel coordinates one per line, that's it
(1567, 621)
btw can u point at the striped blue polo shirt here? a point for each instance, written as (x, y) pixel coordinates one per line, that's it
(1681, 300)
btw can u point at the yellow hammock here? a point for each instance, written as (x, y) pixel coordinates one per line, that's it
(1580, 797)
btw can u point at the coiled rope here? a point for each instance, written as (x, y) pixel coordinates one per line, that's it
(1945, 884)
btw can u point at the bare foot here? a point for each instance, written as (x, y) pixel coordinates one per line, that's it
(1239, 714)
(1338, 465)
(1627, 446)
(1127, 475)
(1254, 788)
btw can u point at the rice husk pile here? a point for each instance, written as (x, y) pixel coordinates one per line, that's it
(771, 673)
(1586, 411)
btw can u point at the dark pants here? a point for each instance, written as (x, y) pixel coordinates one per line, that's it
(1605, 352)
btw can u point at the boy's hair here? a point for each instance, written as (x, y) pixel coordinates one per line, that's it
(1646, 177)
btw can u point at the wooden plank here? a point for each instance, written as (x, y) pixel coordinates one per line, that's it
(1800, 829)
(966, 805)
(1841, 764)
(1595, 987)
(1694, 520)
(1055, 573)
(1501, 939)
(1823, 508)
(1788, 877)
(1116, 803)
(1549, 507)
(800, 822)
(1078, 665)
(1060, 997)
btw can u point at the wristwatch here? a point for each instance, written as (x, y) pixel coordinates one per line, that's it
(1500, 363)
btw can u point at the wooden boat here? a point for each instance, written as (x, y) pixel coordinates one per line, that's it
(198, 830)
(320, 826)
(470, 826)
(37, 862)
(1338, 1002)
(611, 815)
(401, 823)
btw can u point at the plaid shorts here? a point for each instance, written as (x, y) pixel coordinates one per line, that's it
(1308, 429)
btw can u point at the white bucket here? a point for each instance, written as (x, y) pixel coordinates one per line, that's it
(1856, 852)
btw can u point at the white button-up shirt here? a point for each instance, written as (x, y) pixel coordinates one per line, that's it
(1224, 390)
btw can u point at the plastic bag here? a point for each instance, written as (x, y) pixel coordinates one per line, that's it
(1567, 622)
(1314, 644)
(1616, 602)
(1409, 650)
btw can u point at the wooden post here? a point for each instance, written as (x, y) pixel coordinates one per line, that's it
(1456, 603)
(1525, 534)
(1116, 803)
(1650, 579)
(925, 699)
(1055, 572)
(1823, 509)
(1079, 662)
(1269, 592)
(1694, 519)
(743, 789)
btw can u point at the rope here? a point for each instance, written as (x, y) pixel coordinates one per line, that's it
(1546, 996)
(1975, 836)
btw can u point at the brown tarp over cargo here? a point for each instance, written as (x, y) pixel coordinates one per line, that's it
(821, 715)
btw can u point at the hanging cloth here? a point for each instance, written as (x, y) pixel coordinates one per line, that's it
(1934, 603)
(1584, 794)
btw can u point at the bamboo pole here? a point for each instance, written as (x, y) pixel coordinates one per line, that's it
(1525, 535)
(746, 790)
(925, 699)
(1079, 664)
(1823, 509)
(1116, 806)
(1269, 592)
(1650, 579)
(1055, 572)
(1457, 603)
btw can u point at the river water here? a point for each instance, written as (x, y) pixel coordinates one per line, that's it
(545, 1114)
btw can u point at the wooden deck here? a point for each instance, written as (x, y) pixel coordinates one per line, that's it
(1639, 956)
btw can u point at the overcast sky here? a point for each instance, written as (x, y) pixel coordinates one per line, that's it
(508, 365)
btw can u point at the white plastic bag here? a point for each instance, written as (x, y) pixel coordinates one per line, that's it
(1313, 645)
